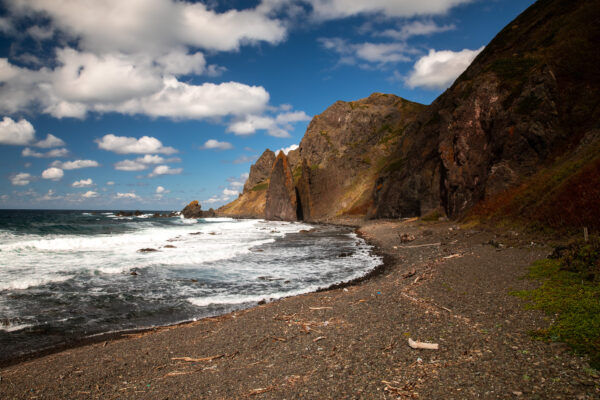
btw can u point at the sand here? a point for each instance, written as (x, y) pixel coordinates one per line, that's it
(447, 286)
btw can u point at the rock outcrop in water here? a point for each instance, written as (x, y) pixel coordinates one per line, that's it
(194, 210)
(517, 135)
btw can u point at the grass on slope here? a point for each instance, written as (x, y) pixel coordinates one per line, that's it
(570, 291)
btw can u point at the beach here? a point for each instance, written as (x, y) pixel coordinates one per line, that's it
(441, 283)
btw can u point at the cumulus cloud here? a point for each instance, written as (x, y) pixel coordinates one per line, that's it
(438, 69)
(142, 163)
(128, 145)
(278, 126)
(16, 133)
(333, 9)
(55, 153)
(130, 195)
(245, 159)
(129, 56)
(83, 183)
(286, 150)
(416, 28)
(165, 170)
(89, 194)
(50, 142)
(368, 53)
(50, 195)
(110, 183)
(76, 164)
(230, 192)
(148, 26)
(21, 179)
(161, 190)
(215, 144)
(53, 174)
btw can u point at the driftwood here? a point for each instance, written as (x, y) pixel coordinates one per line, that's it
(422, 345)
(190, 359)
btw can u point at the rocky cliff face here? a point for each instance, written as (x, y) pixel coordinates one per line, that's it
(260, 171)
(282, 202)
(526, 100)
(343, 150)
(515, 135)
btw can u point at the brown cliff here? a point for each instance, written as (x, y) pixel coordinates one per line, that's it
(526, 102)
(516, 136)
(281, 203)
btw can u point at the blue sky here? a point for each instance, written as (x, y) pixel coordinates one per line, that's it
(149, 104)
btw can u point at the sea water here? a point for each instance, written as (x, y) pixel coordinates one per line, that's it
(67, 275)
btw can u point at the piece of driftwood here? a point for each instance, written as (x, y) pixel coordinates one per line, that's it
(420, 245)
(423, 345)
(190, 359)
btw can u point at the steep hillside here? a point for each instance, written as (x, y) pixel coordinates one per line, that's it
(251, 202)
(527, 101)
(344, 148)
(516, 136)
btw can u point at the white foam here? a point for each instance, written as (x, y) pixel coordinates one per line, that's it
(34, 260)
(32, 281)
(230, 299)
(14, 328)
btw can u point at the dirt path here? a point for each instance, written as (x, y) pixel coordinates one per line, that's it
(448, 286)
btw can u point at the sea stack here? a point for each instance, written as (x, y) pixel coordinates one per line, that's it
(282, 201)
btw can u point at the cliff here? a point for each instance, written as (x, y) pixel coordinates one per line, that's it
(516, 136)
(251, 202)
(526, 109)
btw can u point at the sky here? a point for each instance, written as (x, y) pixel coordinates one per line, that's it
(150, 104)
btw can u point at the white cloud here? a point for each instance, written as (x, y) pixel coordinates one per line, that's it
(245, 159)
(53, 173)
(50, 196)
(142, 163)
(83, 183)
(286, 150)
(165, 170)
(154, 25)
(50, 141)
(76, 164)
(127, 145)
(416, 28)
(21, 179)
(40, 33)
(127, 196)
(278, 126)
(161, 190)
(89, 194)
(110, 183)
(230, 192)
(374, 53)
(130, 165)
(332, 9)
(215, 144)
(54, 153)
(16, 133)
(438, 69)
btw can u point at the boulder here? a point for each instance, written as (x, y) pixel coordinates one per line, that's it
(282, 203)
(192, 210)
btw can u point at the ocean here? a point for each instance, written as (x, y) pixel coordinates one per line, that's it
(70, 275)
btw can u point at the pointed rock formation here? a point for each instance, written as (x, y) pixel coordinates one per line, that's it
(260, 171)
(281, 204)
(303, 187)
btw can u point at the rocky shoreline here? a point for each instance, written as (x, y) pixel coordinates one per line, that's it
(448, 286)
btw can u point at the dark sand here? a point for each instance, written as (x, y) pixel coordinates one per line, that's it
(448, 286)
